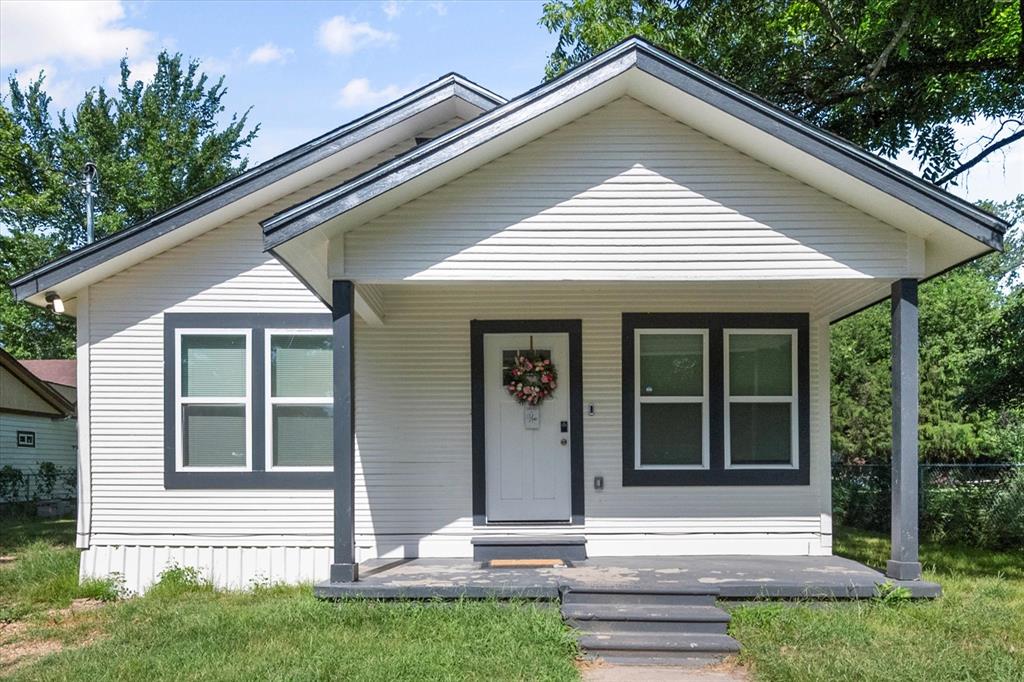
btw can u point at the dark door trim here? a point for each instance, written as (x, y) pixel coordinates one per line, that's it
(574, 328)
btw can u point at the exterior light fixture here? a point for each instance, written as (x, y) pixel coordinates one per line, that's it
(54, 302)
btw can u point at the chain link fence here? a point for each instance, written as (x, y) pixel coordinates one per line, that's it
(46, 485)
(976, 504)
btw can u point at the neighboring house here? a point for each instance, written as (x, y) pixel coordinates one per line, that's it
(37, 413)
(676, 246)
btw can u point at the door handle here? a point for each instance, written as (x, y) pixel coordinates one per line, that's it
(565, 441)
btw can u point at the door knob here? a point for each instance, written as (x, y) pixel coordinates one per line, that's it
(564, 441)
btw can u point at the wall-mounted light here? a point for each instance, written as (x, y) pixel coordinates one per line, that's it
(54, 302)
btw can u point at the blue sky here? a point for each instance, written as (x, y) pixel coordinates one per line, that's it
(307, 67)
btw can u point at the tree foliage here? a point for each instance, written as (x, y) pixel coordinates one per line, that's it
(972, 345)
(155, 144)
(889, 75)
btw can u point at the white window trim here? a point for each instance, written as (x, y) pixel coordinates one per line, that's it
(793, 400)
(270, 400)
(179, 400)
(703, 400)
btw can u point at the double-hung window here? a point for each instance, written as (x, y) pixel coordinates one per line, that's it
(671, 394)
(300, 407)
(761, 396)
(248, 401)
(715, 399)
(213, 408)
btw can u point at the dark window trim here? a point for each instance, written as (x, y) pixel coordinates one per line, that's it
(259, 477)
(574, 328)
(30, 441)
(717, 474)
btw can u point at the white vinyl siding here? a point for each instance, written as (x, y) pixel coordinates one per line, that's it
(413, 461)
(624, 193)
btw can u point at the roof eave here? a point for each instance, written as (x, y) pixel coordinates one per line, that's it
(80, 260)
(879, 173)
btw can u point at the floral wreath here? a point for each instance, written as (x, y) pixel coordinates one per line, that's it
(532, 378)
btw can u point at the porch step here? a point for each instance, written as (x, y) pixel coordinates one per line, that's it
(564, 547)
(649, 625)
(658, 648)
(640, 596)
(626, 618)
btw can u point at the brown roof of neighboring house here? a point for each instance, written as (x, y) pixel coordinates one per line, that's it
(41, 387)
(61, 372)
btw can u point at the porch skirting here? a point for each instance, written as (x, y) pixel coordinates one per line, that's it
(240, 566)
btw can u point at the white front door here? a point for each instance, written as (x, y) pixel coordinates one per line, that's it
(527, 452)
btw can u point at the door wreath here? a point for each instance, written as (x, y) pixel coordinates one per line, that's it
(532, 379)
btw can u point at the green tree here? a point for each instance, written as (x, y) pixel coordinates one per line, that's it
(155, 144)
(972, 339)
(890, 75)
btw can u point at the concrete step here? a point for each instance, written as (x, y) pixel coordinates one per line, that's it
(641, 596)
(651, 618)
(660, 646)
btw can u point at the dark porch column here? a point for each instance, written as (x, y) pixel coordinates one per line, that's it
(904, 564)
(344, 568)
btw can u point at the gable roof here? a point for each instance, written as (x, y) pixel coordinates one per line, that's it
(78, 261)
(49, 394)
(635, 53)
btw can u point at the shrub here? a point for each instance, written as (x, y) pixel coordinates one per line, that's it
(12, 483)
(47, 475)
(178, 580)
(976, 506)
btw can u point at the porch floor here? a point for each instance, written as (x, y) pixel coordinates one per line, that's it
(733, 577)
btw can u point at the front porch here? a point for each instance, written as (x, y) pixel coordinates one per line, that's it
(725, 576)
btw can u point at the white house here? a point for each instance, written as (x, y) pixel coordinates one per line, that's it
(305, 367)
(37, 416)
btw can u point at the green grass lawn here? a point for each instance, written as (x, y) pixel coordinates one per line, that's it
(183, 630)
(975, 631)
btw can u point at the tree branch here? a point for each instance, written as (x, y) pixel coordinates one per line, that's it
(900, 32)
(980, 156)
(834, 27)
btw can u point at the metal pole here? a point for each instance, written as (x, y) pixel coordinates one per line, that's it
(90, 173)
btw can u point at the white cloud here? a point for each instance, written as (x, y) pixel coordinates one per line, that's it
(340, 35)
(268, 53)
(358, 93)
(440, 7)
(83, 34)
(392, 9)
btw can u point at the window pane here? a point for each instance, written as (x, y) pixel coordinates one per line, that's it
(213, 366)
(303, 435)
(760, 433)
(301, 366)
(670, 433)
(760, 364)
(671, 364)
(213, 435)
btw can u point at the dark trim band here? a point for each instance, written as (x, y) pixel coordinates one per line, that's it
(259, 478)
(574, 328)
(716, 474)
